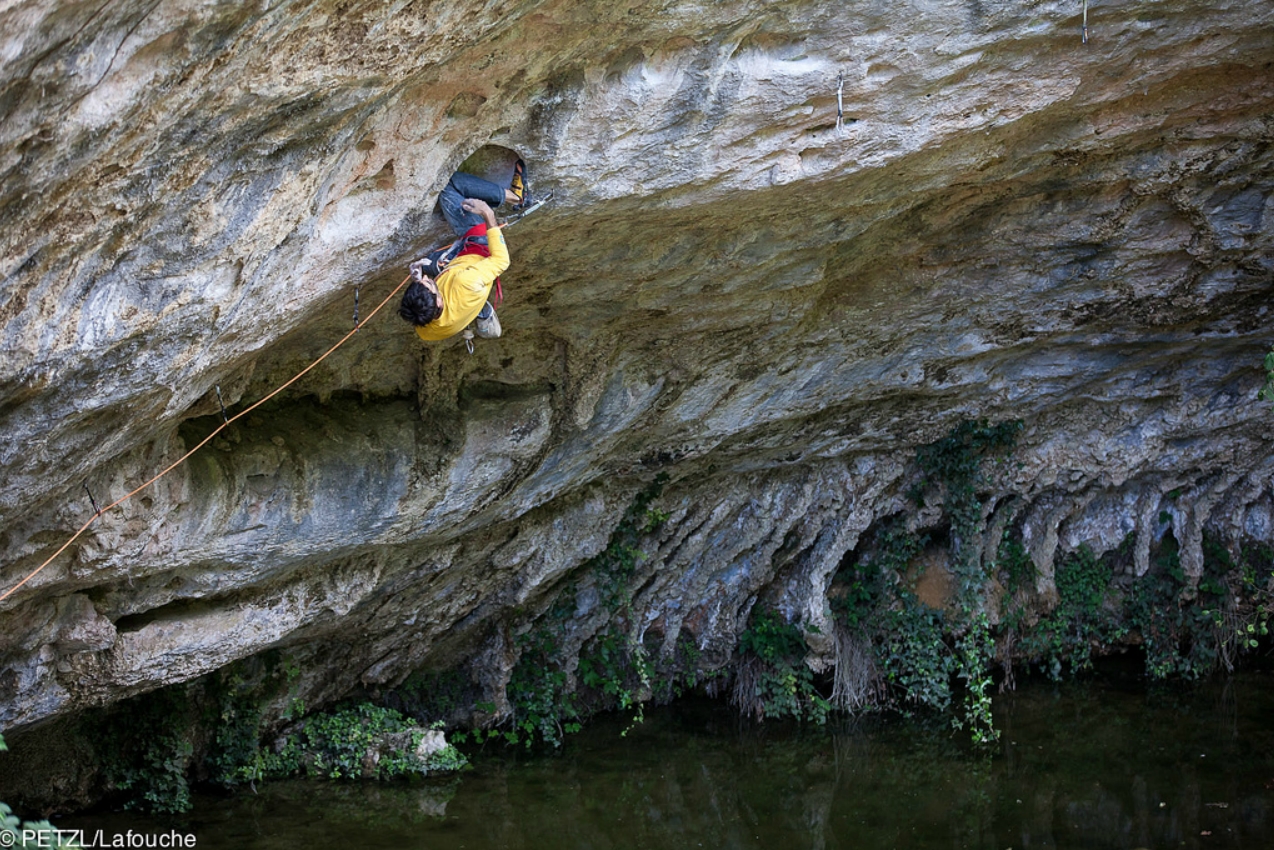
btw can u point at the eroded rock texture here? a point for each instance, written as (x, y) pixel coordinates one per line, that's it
(730, 288)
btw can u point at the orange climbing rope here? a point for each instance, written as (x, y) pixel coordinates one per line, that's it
(204, 442)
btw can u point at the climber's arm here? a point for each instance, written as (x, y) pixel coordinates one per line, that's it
(493, 266)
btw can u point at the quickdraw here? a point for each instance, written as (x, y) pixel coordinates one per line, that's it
(840, 101)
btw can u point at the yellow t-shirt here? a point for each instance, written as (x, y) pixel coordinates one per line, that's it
(464, 286)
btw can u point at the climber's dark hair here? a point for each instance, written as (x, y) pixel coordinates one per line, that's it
(419, 306)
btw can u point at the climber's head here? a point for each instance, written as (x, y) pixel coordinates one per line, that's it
(421, 303)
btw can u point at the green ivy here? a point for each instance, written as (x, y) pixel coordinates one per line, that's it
(1082, 581)
(681, 674)
(955, 464)
(1065, 637)
(975, 650)
(784, 684)
(1017, 573)
(772, 639)
(1165, 620)
(234, 701)
(868, 582)
(615, 565)
(349, 744)
(151, 738)
(788, 690)
(619, 672)
(907, 637)
(1255, 576)
(544, 707)
(430, 696)
(148, 750)
(1189, 634)
(237, 741)
(913, 656)
(14, 832)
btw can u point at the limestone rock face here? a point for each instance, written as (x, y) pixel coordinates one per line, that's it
(732, 286)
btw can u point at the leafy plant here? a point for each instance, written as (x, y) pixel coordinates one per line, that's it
(955, 464)
(974, 651)
(906, 637)
(615, 565)
(1255, 575)
(16, 833)
(1017, 573)
(431, 696)
(618, 671)
(1176, 633)
(149, 750)
(680, 674)
(1082, 581)
(772, 639)
(237, 740)
(366, 741)
(234, 700)
(915, 660)
(1191, 634)
(1066, 636)
(773, 679)
(544, 707)
(868, 583)
(1015, 564)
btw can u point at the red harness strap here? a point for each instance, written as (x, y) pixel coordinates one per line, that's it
(471, 247)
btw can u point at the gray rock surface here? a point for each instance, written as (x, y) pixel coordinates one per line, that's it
(729, 287)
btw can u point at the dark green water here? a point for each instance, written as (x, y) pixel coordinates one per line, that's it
(1106, 763)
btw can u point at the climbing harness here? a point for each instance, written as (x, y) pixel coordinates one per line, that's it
(466, 244)
(99, 511)
(444, 255)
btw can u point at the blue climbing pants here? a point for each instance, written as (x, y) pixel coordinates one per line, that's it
(463, 186)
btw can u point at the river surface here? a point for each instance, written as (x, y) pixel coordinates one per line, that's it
(1102, 763)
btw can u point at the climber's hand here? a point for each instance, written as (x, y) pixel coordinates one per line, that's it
(482, 208)
(418, 270)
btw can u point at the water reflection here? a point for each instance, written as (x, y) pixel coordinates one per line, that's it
(1104, 764)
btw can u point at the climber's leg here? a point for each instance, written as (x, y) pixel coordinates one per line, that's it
(487, 323)
(463, 186)
(519, 192)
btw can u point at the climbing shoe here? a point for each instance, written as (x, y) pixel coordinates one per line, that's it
(487, 323)
(518, 185)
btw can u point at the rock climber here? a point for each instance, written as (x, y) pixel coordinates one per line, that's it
(450, 287)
